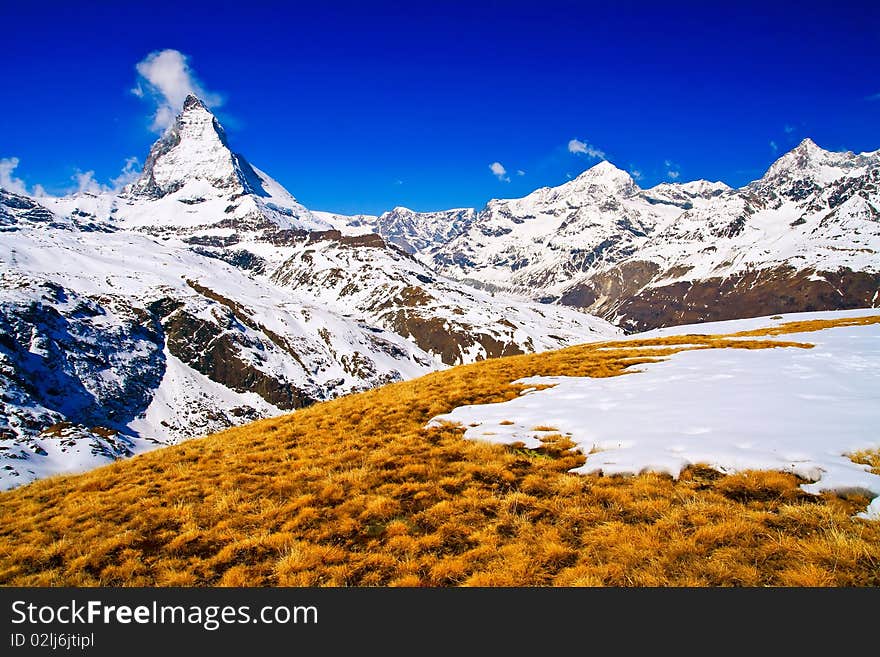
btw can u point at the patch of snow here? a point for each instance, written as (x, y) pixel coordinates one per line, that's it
(790, 409)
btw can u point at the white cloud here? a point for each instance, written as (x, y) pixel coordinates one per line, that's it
(636, 174)
(672, 169)
(498, 168)
(9, 182)
(673, 175)
(499, 171)
(578, 147)
(166, 78)
(84, 180)
(520, 172)
(86, 183)
(774, 146)
(129, 173)
(788, 129)
(667, 163)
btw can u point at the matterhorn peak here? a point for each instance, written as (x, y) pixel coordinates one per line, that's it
(192, 169)
(192, 101)
(193, 150)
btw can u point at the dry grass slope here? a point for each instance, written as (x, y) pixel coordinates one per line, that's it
(355, 492)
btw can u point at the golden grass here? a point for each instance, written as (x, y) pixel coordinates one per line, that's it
(356, 492)
(869, 457)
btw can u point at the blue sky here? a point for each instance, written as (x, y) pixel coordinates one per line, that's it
(358, 107)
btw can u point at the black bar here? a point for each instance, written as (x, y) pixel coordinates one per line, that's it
(410, 621)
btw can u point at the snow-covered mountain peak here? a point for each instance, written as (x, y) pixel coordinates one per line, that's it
(603, 176)
(197, 123)
(606, 172)
(684, 194)
(413, 231)
(801, 156)
(808, 160)
(195, 148)
(192, 102)
(197, 180)
(704, 187)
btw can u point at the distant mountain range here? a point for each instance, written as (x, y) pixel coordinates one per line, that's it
(806, 236)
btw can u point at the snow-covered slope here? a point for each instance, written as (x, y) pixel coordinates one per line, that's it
(455, 323)
(203, 296)
(805, 236)
(791, 409)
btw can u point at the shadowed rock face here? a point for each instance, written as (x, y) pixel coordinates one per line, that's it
(605, 291)
(56, 350)
(450, 341)
(750, 294)
(196, 342)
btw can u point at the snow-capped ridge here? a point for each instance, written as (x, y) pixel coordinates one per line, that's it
(699, 187)
(686, 251)
(809, 160)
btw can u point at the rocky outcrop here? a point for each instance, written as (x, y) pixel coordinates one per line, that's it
(214, 349)
(750, 294)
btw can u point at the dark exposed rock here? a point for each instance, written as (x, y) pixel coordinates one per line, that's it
(214, 240)
(752, 294)
(216, 353)
(734, 228)
(604, 291)
(447, 339)
(241, 258)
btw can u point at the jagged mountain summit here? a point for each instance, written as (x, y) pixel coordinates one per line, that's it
(804, 237)
(193, 151)
(192, 164)
(202, 296)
